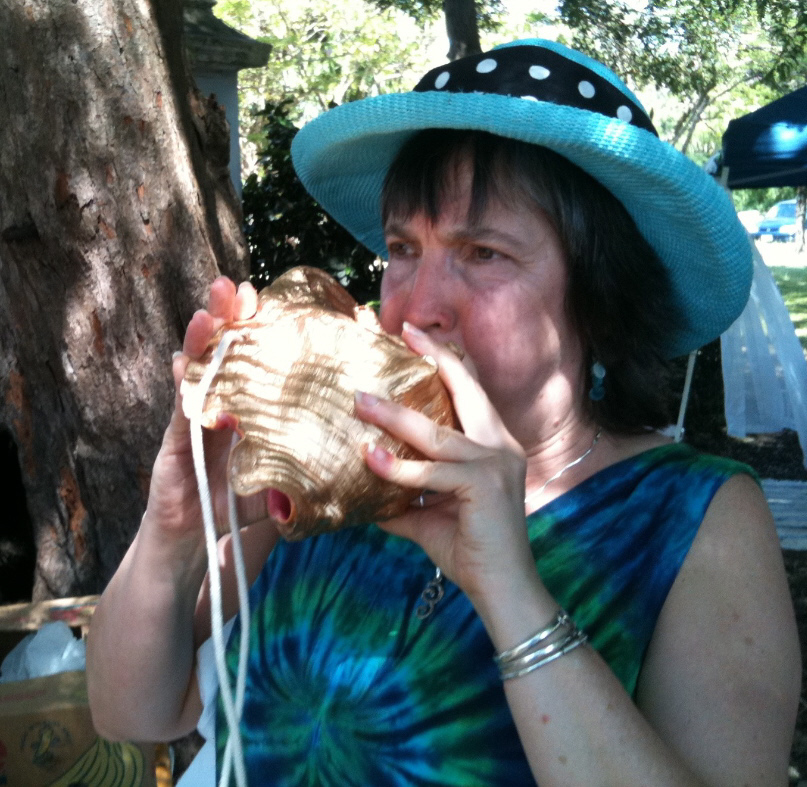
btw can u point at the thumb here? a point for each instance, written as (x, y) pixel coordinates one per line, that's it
(179, 364)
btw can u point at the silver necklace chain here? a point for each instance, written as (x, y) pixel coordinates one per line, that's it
(435, 589)
(539, 492)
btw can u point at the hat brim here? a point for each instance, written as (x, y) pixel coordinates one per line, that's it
(342, 158)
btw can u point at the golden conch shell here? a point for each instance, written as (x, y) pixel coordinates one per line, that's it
(289, 380)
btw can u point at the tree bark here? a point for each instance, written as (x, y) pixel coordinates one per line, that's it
(114, 217)
(462, 28)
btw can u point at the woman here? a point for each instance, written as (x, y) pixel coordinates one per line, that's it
(531, 217)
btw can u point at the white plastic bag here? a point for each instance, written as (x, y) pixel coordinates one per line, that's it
(52, 649)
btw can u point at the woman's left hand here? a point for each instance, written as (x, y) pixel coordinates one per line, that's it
(474, 527)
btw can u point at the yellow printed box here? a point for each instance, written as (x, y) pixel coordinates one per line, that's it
(47, 739)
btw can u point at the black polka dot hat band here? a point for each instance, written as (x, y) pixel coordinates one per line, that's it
(539, 75)
(544, 93)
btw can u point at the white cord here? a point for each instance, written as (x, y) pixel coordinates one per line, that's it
(232, 709)
(243, 607)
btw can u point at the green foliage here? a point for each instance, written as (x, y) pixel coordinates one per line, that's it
(706, 56)
(285, 227)
(792, 283)
(786, 23)
(237, 12)
(323, 54)
(489, 13)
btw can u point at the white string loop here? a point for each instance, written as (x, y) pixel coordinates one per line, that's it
(233, 704)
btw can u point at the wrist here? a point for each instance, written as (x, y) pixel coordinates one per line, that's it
(513, 611)
(171, 550)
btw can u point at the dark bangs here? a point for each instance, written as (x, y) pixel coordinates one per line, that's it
(425, 174)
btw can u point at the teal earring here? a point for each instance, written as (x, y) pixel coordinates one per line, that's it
(597, 391)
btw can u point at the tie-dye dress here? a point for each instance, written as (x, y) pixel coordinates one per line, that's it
(348, 687)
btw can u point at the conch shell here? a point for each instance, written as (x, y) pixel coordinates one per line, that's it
(289, 379)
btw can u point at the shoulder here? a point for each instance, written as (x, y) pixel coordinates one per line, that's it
(675, 480)
(656, 452)
(736, 548)
(722, 672)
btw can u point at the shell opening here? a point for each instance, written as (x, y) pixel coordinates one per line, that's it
(280, 506)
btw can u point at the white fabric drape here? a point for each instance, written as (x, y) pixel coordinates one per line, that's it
(764, 368)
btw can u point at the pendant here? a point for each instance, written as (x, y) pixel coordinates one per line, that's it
(431, 595)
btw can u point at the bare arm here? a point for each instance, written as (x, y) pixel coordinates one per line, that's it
(724, 676)
(140, 650)
(141, 646)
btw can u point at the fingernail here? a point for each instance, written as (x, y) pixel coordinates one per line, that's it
(377, 451)
(409, 328)
(366, 399)
(177, 354)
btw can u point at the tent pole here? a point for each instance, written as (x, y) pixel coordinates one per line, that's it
(679, 427)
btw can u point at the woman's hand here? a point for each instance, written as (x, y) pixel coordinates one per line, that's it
(474, 527)
(174, 496)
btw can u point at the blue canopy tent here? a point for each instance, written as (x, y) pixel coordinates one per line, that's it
(768, 147)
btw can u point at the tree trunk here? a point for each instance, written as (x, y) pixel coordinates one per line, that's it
(462, 28)
(114, 217)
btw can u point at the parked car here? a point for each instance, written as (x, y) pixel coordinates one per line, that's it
(779, 223)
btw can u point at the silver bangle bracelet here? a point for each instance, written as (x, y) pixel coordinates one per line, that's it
(528, 656)
(516, 670)
(560, 619)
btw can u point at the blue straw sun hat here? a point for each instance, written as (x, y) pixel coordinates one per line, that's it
(542, 92)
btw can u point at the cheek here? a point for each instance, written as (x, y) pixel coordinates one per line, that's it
(507, 337)
(484, 334)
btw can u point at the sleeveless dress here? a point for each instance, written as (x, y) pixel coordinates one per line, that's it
(346, 686)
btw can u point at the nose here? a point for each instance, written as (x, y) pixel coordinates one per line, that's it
(429, 301)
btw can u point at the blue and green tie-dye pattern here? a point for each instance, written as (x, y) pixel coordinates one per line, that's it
(348, 687)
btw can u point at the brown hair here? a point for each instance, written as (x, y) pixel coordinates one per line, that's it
(618, 289)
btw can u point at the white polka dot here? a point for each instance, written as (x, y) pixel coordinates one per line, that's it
(539, 72)
(486, 66)
(529, 98)
(624, 113)
(442, 80)
(586, 89)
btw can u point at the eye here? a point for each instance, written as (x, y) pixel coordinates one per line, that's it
(483, 254)
(399, 249)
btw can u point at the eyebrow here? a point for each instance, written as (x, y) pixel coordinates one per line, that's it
(464, 233)
(392, 228)
(486, 234)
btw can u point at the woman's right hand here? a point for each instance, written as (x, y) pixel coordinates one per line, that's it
(173, 504)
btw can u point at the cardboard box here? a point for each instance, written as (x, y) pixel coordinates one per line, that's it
(48, 738)
(46, 733)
